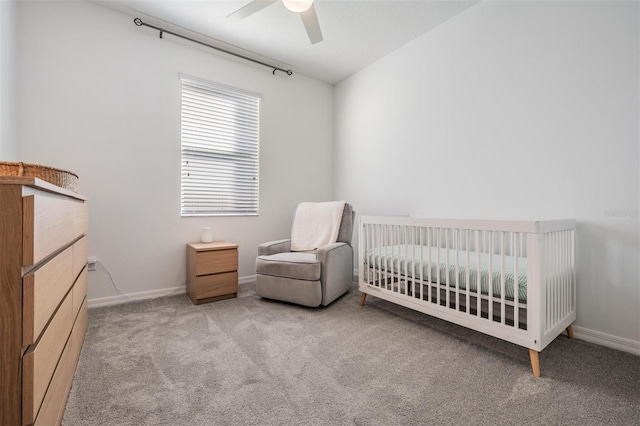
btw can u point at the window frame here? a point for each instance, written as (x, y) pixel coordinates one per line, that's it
(219, 148)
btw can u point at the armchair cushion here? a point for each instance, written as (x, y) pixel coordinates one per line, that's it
(296, 265)
(301, 292)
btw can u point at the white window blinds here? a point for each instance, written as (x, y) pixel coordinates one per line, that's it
(220, 135)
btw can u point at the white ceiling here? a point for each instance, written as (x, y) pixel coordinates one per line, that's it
(356, 32)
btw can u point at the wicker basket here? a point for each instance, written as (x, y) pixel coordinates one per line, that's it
(62, 178)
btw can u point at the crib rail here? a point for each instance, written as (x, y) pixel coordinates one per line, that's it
(511, 279)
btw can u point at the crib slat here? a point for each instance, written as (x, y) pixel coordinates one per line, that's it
(516, 289)
(562, 276)
(554, 277)
(380, 256)
(395, 245)
(457, 233)
(365, 253)
(502, 278)
(383, 257)
(558, 277)
(573, 270)
(372, 247)
(479, 277)
(430, 279)
(447, 274)
(406, 261)
(396, 264)
(490, 283)
(554, 260)
(565, 266)
(385, 244)
(547, 282)
(417, 282)
(421, 266)
(398, 276)
(568, 270)
(410, 272)
(569, 273)
(438, 241)
(565, 273)
(376, 259)
(468, 272)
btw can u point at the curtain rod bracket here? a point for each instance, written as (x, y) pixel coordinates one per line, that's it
(139, 23)
(288, 72)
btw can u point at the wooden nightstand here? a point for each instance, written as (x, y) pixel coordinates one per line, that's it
(212, 271)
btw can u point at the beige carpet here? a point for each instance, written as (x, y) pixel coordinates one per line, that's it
(250, 361)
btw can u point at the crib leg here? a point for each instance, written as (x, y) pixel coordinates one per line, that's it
(570, 332)
(362, 297)
(535, 362)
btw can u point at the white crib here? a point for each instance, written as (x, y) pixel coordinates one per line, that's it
(514, 280)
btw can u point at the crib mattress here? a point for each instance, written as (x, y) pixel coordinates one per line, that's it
(413, 260)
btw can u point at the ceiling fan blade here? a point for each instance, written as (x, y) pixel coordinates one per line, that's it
(250, 9)
(311, 24)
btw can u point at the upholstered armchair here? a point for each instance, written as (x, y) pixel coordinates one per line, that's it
(309, 277)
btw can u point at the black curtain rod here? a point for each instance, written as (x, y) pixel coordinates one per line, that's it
(139, 23)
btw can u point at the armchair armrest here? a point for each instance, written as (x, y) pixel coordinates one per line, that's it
(325, 253)
(337, 270)
(274, 247)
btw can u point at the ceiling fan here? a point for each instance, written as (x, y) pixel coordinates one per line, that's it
(305, 8)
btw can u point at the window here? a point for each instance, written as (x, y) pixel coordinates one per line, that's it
(220, 135)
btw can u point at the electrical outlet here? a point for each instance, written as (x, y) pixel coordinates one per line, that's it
(91, 262)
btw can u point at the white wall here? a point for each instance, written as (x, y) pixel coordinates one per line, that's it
(511, 110)
(101, 96)
(8, 96)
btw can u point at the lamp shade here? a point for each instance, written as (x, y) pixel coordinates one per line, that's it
(297, 5)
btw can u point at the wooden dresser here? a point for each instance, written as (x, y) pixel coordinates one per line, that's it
(212, 271)
(43, 306)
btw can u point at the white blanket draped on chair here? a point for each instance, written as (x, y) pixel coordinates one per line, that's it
(316, 225)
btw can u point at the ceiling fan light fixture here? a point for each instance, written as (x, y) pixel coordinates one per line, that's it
(297, 6)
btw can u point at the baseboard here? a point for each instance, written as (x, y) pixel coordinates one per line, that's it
(247, 280)
(603, 339)
(152, 294)
(134, 297)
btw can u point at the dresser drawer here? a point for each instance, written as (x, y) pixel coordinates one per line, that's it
(216, 261)
(42, 291)
(55, 399)
(50, 223)
(79, 291)
(216, 285)
(40, 361)
(80, 255)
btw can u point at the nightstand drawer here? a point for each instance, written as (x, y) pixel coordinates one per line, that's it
(216, 285)
(216, 261)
